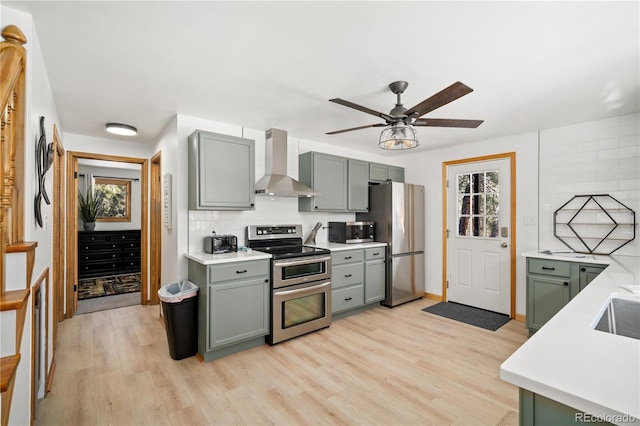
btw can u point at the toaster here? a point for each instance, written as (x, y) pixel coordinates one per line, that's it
(216, 244)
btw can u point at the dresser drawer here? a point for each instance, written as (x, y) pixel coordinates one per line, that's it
(344, 275)
(555, 268)
(347, 298)
(88, 256)
(98, 247)
(93, 237)
(238, 270)
(375, 253)
(125, 236)
(99, 269)
(350, 256)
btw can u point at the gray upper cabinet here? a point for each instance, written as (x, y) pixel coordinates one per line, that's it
(358, 193)
(326, 174)
(383, 173)
(221, 172)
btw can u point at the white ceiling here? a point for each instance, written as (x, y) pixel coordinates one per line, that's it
(532, 65)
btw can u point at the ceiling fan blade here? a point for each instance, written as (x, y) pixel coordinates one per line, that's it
(356, 128)
(361, 108)
(443, 97)
(447, 122)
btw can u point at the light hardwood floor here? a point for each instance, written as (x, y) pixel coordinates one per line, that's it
(399, 366)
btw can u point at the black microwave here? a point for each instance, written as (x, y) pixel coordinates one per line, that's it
(351, 232)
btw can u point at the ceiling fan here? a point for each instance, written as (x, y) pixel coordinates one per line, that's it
(399, 133)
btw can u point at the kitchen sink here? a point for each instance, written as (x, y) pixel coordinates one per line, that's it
(621, 316)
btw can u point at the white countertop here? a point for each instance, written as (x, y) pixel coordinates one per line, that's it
(340, 246)
(570, 257)
(212, 259)
(570, 362)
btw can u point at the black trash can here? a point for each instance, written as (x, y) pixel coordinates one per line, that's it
(180, 310)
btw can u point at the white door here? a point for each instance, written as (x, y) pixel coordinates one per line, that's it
(478, 218)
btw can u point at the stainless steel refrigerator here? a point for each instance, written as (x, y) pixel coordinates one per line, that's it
(397, 209)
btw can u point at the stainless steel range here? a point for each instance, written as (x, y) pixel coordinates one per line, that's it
(300, 280)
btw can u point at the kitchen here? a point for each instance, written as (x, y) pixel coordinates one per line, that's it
(533, 214)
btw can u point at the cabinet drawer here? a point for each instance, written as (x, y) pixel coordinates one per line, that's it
(93, 237)
(549, 267)
(125, 236)
(350, 256)
(109, 268)
(344, 275)
(347, 298)
(97, 256)
(238, 270)
(99, 247)
(375, 253)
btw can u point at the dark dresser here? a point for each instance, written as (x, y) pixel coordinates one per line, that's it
(103, 253)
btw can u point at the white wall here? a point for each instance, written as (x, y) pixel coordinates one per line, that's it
(425, 168)
(40, 102)
(598, 157)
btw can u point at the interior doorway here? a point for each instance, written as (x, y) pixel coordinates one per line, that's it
(479, 232)
(72, 224)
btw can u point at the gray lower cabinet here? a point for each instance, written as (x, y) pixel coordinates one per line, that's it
(384, 173)
(537, 410)
(551, 284)
(221, 172)
(374, 275)
(233, 306)
(357, 279)
(326, 174)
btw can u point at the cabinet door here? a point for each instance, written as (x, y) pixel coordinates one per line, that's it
(545, 297)
(358, 193)
(378, 172)
(222, 172)
(374, 281)
(330, 180)
(396, 174)
(238, 311)
(588, 273)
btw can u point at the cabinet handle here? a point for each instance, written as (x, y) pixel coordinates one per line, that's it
(123, 237)
(347, 275)
(583, 269)
(241, 272)
(347, 257)
(566, 283)
(347, 299)
(315, 207)
(376, 254)
(546, 268)
(266, 280)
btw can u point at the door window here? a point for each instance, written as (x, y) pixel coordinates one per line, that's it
(478, 204)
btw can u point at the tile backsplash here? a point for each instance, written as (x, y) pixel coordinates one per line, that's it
(598, 157)
(268, 211)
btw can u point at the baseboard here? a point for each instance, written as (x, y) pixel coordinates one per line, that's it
(49, 382)
(432, 296)
(521, 317)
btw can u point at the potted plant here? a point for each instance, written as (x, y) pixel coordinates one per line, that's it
(90, 207)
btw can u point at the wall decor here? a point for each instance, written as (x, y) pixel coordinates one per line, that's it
(596, 224)
(44, 160)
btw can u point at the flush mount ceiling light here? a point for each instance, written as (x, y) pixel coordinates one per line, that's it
(398, 136)
(121, 129)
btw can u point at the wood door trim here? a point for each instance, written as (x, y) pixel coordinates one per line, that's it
(57, 299)
(155, 224)
(512, 239)
(72, 222)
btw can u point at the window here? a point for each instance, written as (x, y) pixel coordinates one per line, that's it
(117, 199)
(478, 204)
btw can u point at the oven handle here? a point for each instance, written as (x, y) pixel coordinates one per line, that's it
(301, 261)
(314, 287)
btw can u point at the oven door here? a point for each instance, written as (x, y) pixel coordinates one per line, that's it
(300, 309)
(301, 270)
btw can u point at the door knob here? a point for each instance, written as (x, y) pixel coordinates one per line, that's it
(504, 245)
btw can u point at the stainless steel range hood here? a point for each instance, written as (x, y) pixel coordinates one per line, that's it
(276, 182)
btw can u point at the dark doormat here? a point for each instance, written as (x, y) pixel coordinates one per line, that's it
(469, 315)
(107, 286)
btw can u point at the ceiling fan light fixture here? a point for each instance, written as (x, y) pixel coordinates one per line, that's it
(121, 129)
(398, 136)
